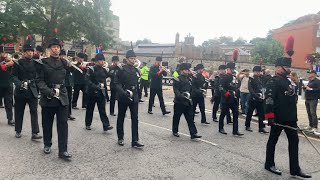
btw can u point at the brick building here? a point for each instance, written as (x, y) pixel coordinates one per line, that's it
(306, 32)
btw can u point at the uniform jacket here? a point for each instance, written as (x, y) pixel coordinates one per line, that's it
(182, 84)
(113, 72)
(96, 80)
(78, 77)
(228, 89)
(255, 88)
(51, 72)
(281, 100)
(5, 75)
(25, 71)
(156, 77)
(198, 83)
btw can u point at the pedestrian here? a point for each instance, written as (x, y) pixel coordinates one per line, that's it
(50, 77)
(96, 81)
(281, 108)
(144, 81)
(256, 100)
(79, 82)
(312, 94)
(182, 102)
(229, 100)
(198, 92)
(126, 82)
(156, 74)
(26, 92)
(6, 84)
(243, 79)
(114, 69)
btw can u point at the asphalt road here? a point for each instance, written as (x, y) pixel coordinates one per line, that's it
(96, 155)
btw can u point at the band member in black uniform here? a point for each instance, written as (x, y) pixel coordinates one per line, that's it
(114, 69)
(79, 82)
(38, 52)
(182, 102)
(24, 75)
(256, 99)
(6, 85)
(96, 79)
(69, 85)
(51, 74)
(198, 92)
(281, 108)
(217, 95)
(126, 82)
(155, 74)
(229, 100)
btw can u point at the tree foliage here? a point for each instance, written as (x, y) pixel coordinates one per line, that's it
(144, 41)
(266, 49)
(73, 19)
(223, 40)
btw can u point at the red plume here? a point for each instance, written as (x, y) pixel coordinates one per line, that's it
(289, 46)
(29, 36)
(235, 54)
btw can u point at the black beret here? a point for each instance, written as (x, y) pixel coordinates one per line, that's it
(130, 53)
(158, 58)
(184, 66)
(231, 65)
(199, 66)
(54, 41)
(81, 55)
(99, 57)
(27, 47)
(256, 69)
(39, 48)
(222, 67)
(93, 59)
(115, 58)
(63, 52)
(283, 61)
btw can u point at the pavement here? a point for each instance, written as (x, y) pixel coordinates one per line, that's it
(96, 154)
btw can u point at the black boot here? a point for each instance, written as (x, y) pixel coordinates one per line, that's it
(274, 170)
(137, 144)
(65, 155)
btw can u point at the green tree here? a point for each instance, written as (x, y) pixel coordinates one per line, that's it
(73, 19)
(266, 49)
(144, 41)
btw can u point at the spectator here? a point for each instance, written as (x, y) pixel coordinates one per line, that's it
(295, 79)
(243, 78)
(312, 91)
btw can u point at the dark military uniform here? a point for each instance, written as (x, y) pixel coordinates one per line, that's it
(79, 84)
(229, 100)
(96, 80)
(6, 88)
(126, 80)
(113, 72)
(51, 74)
(281, 106)
(24, 75)
(198, 83)
(155, 76)
(182, 103)
(256, 100)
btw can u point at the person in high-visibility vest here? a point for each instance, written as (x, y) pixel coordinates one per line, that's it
(175, 74)
(144, 81)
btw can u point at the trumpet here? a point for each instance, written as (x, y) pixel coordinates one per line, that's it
(166, 70)
(17, 56)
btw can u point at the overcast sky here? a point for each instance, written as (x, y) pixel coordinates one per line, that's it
(160, 20)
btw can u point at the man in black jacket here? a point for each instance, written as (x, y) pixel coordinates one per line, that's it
(256, 99)
(6, 85)
(96, 81)
(24, 75)
(79, 82)
(182, 102)
(126, 82)
(114, 69)
(312, 93)
(156, 74)
(281, 108)
(51, 74)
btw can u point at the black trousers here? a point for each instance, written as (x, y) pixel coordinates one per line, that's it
(153, 93)
(62, 125)
(144, 85)
(216, 104)
(69, 91)
(77, 88)
(293, 141)
(200, 101)
(180, 109)
(7, 94)
(122, 108)
(252, 106)
(101, 103)
(225, 107)
(107, 95)
(19, 106)
(113, 99)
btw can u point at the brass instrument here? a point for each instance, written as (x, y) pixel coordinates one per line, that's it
(130, 94)
(17, 56)
(137, 63)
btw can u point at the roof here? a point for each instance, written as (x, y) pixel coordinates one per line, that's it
(155, 45)
(155, 50)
